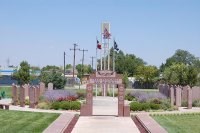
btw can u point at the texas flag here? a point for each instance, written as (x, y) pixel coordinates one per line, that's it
(98, 45)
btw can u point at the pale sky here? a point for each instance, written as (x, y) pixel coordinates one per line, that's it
(39, 31)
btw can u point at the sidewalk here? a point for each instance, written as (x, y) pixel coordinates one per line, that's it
(105, 124)
(105, 120)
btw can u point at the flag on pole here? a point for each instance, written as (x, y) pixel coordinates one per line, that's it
(115, 46)
(98, 45)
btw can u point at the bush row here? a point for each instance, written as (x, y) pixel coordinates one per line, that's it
(66, 105)
(136, 106)
(154, 104)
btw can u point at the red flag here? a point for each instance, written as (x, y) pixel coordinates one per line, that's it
(98, 45)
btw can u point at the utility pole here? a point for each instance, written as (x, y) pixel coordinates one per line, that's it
(84, 50)
(92, 61)
(64, 64)
(74, 49)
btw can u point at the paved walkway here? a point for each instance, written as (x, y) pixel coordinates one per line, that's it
(105, 106)
(105, 110)
(105, 124)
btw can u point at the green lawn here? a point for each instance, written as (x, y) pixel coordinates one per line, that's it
(185, 123)
(24, 122)
(8, 91)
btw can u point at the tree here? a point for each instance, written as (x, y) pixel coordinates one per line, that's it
(68, 66)
(87, 69)
(23, 74)
(53, 74)
(125, 79)
(181, 74)
(146, 74)
(181, 56)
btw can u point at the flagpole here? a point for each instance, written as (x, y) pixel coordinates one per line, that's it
(108, 55)
(113, 66)
(96, 56)
(101, 51)
(114, 56)
(96, 65)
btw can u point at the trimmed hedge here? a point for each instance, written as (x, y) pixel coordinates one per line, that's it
(136, 106)
(66, 105)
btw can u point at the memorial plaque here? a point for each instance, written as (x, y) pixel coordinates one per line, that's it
(50, 86)
(14, 94)
(42, 88)
(22, 96)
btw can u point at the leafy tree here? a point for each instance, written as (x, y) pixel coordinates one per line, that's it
(53, 74)
(146, 74)
(23, 74)
(125, 80)
(87, 69)
(181, 74)
(181, 56)
(68, 66)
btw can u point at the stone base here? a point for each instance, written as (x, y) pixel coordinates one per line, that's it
(126, 111)
(86, 110)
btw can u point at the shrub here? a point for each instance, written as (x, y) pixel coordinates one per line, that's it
(3, 94)
(129, 97)
(55, 105)
(145, 106)
(154, 106)
(44, 105)
(75, 105)
(196, 103)
(81, 94)
(156, 101)
(184, 103)
(166, 105)
(65, 105)
(136, 106)
(27, 102)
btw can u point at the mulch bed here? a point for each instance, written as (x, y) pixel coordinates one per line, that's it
(139, 125)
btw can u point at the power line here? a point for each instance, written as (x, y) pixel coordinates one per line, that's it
(74, 49)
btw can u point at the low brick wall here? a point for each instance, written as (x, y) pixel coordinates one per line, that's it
(150, 125)
(63, 124)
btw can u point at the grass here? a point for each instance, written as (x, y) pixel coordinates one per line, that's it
(7, 89)
(26, 122)
(185, 123)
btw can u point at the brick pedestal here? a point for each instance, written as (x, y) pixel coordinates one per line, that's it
(86, 109)
(14, 94)
(22, 96)
(172, 96)
(178, 97)
(121, 100)
(189, 98)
